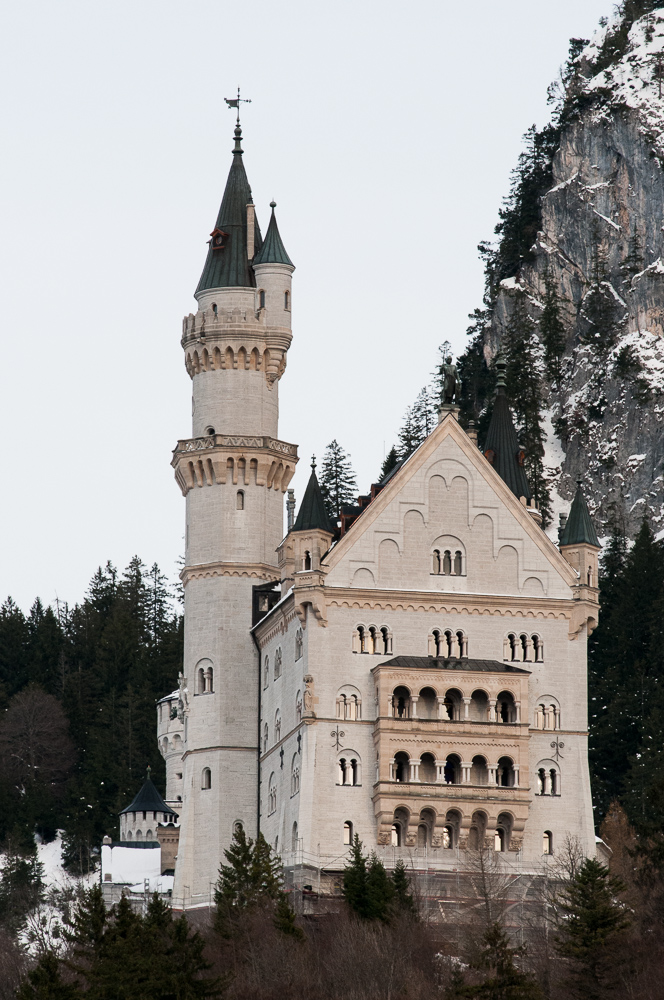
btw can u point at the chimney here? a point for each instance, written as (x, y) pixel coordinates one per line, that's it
(251, 219)
(562, 521)
(472, 431)
(290, 509)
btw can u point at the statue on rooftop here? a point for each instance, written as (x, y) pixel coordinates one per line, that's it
(451, 382)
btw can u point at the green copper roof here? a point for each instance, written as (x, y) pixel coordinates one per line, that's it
(273, 250)
(579, 527)
(312, 513)
(501, 446)
(230, 266)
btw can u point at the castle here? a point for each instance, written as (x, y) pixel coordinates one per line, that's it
(414, 673)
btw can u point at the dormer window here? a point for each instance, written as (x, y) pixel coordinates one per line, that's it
(218, 240)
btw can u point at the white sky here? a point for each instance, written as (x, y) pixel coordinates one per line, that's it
(385, 131)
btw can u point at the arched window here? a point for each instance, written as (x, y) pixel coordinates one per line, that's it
(401, 767)
(148, 835)
(298, 707)
(479, 772)
(295, 839)
(348, 833)
(214, 308)
(400, 826)
(295, 776)
(261, 298)
(452, 769)
(506, 708)
(401, 703)
(286, 300)
(436, 562)
(395, 837)
(306, 564)
(298, 644)
(505, 774)
(349, 705)
(447, 563)
(139, 835)
(499, 839)
(128, 837)
(427, 768)
(208, 681)
(200, 681)
(277, 664)
(547, 842)
(349, 769)
(206, 778)
(458, 563)
(553, 779)
(266, 735)
(448, 838)
(266, 671)
(272, 795)
(239, 500)
(277, 726)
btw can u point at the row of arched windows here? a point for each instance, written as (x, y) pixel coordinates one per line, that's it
(448, 562)
(453, 706)
(448, 643)
(523, 648)
(349, 771)
(372, 639)
(451, 770)
(277, 723)
(138, 835)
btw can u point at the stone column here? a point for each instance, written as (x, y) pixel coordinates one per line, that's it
(414, 698)
(516, 777)
(388, 644)
(431, 646)
(391, 708)
(454, 645)
(414, 770)
(517, 705)
(492, 774)
(507, 649)
(393, 766)
(440, 771)
(466, 707)
(442, 711)
(492, 709)
(465, 772)
(528, 656)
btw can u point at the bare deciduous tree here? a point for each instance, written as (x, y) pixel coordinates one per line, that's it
(34, 739)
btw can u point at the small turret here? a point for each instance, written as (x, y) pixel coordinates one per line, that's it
(578, 540)
(273, 269)
(140, 819)
(309, 538)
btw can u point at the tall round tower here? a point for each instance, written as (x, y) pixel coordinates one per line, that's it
(233, 472)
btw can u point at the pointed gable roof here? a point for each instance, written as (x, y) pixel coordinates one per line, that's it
(579, 527)
(230, 266)
(312, 513)
(148, 799)
(501, 446)
(273, 250)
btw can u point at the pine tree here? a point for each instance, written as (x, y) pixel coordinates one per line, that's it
(285, 920)
(425, 411)
(594, 918)
(524, 388)
(252, 877)
(390, 462)
(552, 330)
(21, 887)
(379, 891)
(632, 263)
(403, 901)
(45, 982)
(505, 981)
(410, 435)
(337, 480)
(355, 879)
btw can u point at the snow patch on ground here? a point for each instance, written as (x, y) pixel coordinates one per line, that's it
(554, 456)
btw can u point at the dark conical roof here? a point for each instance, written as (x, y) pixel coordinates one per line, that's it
(579, 527)
(501, 446)
(312, 513)
(273, 250)
(148, 799)
(230, 266)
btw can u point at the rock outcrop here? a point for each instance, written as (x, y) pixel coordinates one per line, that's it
(603, 233)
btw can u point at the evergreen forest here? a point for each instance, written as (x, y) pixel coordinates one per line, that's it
(79, 688)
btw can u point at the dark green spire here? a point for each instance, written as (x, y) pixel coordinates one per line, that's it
(579, 527)
(273, 251)
(501, 446)
(227, 264)
(312, 513)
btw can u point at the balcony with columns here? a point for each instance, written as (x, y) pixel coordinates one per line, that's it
(449, 736)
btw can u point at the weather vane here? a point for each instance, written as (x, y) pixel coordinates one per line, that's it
(235, 102)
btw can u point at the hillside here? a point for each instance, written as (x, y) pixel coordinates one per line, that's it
(575, 281)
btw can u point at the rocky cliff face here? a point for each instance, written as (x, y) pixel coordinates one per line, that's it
(601, 247)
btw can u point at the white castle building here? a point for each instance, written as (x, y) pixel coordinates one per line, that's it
(416, 675)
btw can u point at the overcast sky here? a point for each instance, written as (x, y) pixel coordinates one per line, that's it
(385, 131)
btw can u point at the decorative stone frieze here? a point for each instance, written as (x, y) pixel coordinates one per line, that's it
(245, 460)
